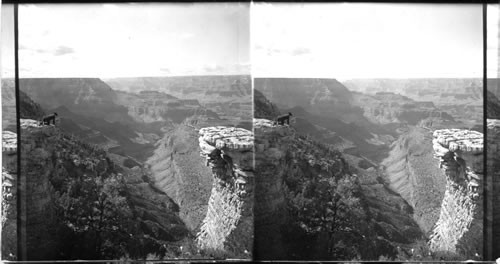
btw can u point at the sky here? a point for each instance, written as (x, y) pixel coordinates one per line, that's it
(366, 40)
(7, 41)
(133, 40)
(492, 36)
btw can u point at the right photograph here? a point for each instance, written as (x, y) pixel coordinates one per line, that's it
(493, 132)
(369, 131)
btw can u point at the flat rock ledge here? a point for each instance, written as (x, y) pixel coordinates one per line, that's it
(9, 142)
(452, 140)
(221, 137)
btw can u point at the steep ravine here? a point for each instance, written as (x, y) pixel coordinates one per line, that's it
(179, 171)
(440, 175)
(296, 177)
(411, 170)
(54, 163)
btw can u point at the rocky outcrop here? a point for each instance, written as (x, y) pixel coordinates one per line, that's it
(460, 225)
(493, 188)
(9, 196)
(38, 215)
(228, 225)
(270, 203)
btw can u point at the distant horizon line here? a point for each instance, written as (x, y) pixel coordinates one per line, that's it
(129, 77)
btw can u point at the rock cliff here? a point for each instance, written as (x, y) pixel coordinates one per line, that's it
(9, 196)
(270, 203)
(41, 230)
(460, 225)
(228, 225)
(493, 188)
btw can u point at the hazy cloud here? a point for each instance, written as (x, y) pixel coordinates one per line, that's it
(63, 50)
(165, 70)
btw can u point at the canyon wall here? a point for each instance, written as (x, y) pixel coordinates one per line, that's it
(39, 222)
(9, 196)
(228, 225)
(270, 204)
(459, 228)
(493, 186)
(412, 172)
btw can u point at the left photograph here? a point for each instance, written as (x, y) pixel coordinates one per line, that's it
(8, 213)
(136, 132)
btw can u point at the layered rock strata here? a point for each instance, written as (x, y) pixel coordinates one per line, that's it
(9, 196)
(460, 225)
(38, 217)
(270, 204)
(228, 225)
(493, 188)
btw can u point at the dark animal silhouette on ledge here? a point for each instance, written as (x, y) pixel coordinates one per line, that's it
(49, 118)
(280, 120)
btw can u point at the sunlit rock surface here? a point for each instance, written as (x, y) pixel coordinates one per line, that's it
(460, 225)
(9, 196)
(228, 225)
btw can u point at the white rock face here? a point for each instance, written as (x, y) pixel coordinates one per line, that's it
(459, 228)
(228, 225)
(9, 141)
